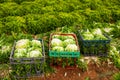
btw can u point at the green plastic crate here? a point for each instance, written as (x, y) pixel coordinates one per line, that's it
(64, 53)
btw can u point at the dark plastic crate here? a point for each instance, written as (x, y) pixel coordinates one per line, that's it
(35, 66)
(64, 53)
(93, 47)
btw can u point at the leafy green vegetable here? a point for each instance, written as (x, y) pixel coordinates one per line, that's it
(97, 31)
(95, 34)
(23, 43)
(27, 48)
(98, 35)
(114, 54)
(63, 42)
(116, 76)
(36, 43)
(5, 49)
(107, 30)
(71, 47)
(68, 41)
(70, 37)
(56, 36)
(56, 42)
(19, 53)
(5, 53)
(58, 48)
(34, 53)
(88, 35)
(62, 37)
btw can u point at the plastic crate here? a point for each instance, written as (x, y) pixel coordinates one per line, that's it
(35, 66)
(93, 47)
(64, 53)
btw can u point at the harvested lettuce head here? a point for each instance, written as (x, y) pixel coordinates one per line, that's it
(68, 41)
(108, 29)
(34, 53)
(27, 48)
(36, 43)
(97, 31)
(5, 49)
(71, 47)
(20, 53)
(100, 37)
(56, 42)
(98, 34)
(58, 48)
(34, 48)
(23, 43)
(88, 35)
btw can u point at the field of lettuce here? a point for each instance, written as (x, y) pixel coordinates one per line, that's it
(37, 19)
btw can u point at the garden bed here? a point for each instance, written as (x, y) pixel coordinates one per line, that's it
(94, 72)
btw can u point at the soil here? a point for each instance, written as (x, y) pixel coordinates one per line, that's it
(94, 72)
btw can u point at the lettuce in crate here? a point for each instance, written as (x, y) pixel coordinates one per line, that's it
(56, 42)
(68, 41)
(71, 47)
(58, 48)
(23, 43)
(95, 34)
(34, 53)
(36, 43)
(98, 35)
(19, 53)
(28, 48)
(87, 35)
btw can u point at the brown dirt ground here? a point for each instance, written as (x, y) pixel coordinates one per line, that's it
(94, 72)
